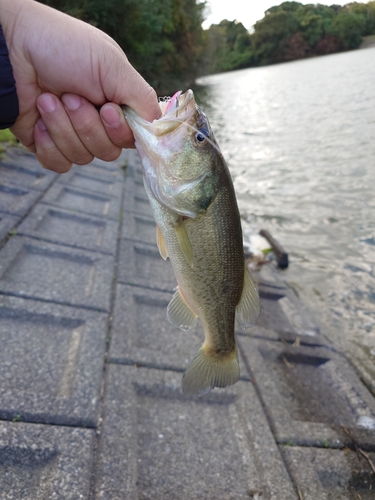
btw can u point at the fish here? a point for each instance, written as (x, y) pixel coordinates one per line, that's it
(198, 227)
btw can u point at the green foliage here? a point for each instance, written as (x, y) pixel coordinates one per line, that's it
(7, 136)
(165, 41)
(348, 28)
(272, 33)
(292, 30)
(228, 46)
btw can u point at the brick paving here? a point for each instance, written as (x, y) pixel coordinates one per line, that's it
(90, 369)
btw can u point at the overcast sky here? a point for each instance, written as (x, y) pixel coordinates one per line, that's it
(248, 12)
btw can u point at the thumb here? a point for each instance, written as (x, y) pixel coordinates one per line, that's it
(124, 85)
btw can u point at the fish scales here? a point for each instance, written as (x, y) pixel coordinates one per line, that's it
(199, 229)
(213, 284)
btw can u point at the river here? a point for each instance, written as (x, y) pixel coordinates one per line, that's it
(299, 139)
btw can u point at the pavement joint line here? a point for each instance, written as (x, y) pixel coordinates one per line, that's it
(286, 341)
(261, 399)
(102, 393)
(60, 243)
(76, 306)
(133, 240)
(50, 424)
(349, 444)
(26, 214)
(143, 216)
(157, 289)
(161, 367)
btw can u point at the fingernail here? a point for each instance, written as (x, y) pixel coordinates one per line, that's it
(41, 125)
(110, 116)
(71, 101)
(47, 103)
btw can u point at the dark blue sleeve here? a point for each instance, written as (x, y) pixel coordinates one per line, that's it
(9, 109)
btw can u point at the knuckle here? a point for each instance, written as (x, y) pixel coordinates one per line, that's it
(111, 155)
(84, 160)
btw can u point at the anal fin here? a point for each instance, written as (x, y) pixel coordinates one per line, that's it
(179, 313)
(248, 308)
(161, 243)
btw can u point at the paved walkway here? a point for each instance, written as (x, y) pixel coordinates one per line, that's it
(90, 368)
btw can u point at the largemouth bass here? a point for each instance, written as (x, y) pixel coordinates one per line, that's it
(198, 227)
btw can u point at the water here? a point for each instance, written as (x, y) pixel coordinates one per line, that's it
(299, 139)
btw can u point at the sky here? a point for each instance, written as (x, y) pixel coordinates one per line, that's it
(248, 12)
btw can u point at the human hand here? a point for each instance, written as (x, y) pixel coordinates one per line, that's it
(71, 79)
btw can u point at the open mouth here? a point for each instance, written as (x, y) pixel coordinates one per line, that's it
(177, 105)
(176, 110)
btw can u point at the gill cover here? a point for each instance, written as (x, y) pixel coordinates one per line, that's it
(172, 149)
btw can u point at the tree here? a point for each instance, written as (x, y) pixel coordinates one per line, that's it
(269, 40)
(163, 39)
(348, 28)
(228, 47)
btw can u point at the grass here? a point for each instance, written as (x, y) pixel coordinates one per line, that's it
(6, 138)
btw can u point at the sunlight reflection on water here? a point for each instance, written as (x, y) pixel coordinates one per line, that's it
(299, 139)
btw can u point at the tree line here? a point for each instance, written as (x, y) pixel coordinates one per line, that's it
(290, 31)
(165, 41)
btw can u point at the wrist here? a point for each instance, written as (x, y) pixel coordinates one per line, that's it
(9, 13)
(9, 109)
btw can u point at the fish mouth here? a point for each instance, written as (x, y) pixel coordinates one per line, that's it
(159, 141)
(176, 110)
(177, 105)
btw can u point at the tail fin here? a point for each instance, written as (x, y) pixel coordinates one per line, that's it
(207, 371)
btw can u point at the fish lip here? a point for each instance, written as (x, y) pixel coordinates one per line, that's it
(169, 121)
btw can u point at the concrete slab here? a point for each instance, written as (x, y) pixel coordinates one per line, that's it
(82, 201)
(310, 393)
(51, 362)
(104, 184)
(133, 160)
(40, 462)
(29, 177)
(139, 228)
(331, 474)
(7, 223)
(141, 333)
(158, 444)
(39, 270)
(283, 317)
(16, 200)
(141, 264)
(121, 161)
(135, 198)
(78, 230)
(19, 155)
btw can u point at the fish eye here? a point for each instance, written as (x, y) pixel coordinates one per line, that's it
(201, 136)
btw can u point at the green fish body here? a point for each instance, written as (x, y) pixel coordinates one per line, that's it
(198, 227)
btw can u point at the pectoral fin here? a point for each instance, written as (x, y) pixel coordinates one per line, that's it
(184, 241)
(179, 313)
(248, 308)
(161, 243)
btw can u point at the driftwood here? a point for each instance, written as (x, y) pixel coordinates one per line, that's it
(280, 253)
